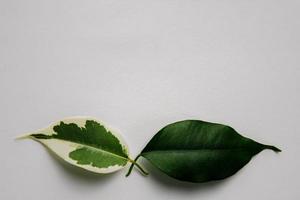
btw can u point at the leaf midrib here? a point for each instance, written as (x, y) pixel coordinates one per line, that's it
(191, 150)
(94, 148)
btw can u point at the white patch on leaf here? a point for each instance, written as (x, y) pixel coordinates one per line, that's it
(63, 148)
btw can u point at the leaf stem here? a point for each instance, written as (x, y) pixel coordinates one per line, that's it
(133, 162)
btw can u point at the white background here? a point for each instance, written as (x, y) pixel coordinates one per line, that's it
(139, 65)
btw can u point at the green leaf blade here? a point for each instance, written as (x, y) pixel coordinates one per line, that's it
(88, 156)
(86, 143)
(93, 134)
(198, 151)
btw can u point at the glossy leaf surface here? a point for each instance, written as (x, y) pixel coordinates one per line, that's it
(198, 151)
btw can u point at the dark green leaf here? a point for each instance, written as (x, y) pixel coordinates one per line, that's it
(198, 151)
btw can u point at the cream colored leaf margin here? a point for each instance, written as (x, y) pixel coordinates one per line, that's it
(63, 148)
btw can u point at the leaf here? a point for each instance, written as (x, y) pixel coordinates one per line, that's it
(198, 151)
(85, 142)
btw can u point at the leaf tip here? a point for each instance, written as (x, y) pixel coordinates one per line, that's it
(22, 137)
(32, 136)
(277, 150)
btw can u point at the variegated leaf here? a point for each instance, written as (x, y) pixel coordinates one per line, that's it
(85, 142)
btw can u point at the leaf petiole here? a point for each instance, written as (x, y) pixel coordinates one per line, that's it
(133, 162)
